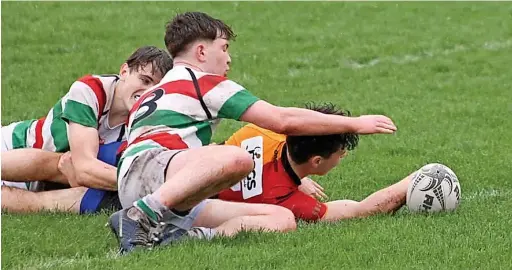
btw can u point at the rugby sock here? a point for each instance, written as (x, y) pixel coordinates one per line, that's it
(202, 233)
(151, 207)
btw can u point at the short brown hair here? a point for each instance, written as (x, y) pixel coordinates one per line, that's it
(161, 60)
(189, 27)
(302, 148)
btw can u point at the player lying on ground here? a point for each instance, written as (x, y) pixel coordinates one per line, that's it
(169, 169)
(280, 177)
(92, 113)
(282, 161)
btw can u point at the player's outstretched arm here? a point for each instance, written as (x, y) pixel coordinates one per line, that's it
(89, 171)
(384, 201)
(297, 121)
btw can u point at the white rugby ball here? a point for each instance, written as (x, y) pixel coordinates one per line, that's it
(433, 188)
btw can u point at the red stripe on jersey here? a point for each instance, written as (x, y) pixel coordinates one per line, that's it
(122, 147)
(171, 141)
(39, 133)
(184, 87)
(97, 87)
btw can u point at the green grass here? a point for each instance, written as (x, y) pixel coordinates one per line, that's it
(441, 71)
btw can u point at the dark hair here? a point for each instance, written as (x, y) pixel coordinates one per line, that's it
(161, 60)
(188, 27)
(302, 148)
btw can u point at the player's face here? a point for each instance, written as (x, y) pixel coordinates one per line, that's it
(216, 57)
(136, 82)
(324, 165)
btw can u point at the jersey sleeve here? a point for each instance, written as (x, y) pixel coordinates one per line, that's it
(84, 102)
(229, 99)
(304, 206)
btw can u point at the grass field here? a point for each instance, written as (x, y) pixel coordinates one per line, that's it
(441, 71)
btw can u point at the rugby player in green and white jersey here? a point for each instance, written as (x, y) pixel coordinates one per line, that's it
(168, 168)
(93, 113)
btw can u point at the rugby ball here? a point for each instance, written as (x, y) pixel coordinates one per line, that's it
(433, 188)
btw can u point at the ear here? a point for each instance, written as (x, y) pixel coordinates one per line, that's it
(123, 72)
(315, 161)
(200, 52)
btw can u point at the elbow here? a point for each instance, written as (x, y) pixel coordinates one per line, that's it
(83, 174)
(81, 177)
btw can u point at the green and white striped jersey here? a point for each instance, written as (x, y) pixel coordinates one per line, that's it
(173, 115)
(87, 103)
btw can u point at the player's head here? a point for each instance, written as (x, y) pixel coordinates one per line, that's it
(321, 153)
(142, 70)
(198, 39)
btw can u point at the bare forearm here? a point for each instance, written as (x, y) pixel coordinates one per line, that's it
(97, 174)
(341, 209)
(383, 201)
(308, 122)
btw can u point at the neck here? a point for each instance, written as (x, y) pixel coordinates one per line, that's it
(300, 170)
(190, 64)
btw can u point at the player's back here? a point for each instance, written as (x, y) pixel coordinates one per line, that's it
(183, 110)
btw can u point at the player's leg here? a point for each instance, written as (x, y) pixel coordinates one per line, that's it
(72, 200)
(23, 201)
(229, 218)
(208, 170)
(29, 164)
(386, 200)
(165, 186)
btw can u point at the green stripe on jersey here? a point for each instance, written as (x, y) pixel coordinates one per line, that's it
(167, 118)
(80, 113)
(236, 105)
(19, 134)
(204, 132)
(174, 119)
(59, 130)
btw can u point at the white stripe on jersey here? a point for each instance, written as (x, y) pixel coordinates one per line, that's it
(31, 135)
(7, 136)
(183, 104)
(48, 143)
(221, 92)
(84, 94)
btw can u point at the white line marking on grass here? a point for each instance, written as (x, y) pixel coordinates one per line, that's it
(59, 262)
(408, 58)
(486, 194)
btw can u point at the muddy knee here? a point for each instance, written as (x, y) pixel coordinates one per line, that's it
(237, 162)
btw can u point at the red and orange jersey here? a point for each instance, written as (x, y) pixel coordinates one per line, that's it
(273, 180)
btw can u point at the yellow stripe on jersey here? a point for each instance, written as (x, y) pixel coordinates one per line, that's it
(271, 140)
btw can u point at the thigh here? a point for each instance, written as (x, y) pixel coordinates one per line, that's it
(215, 212)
